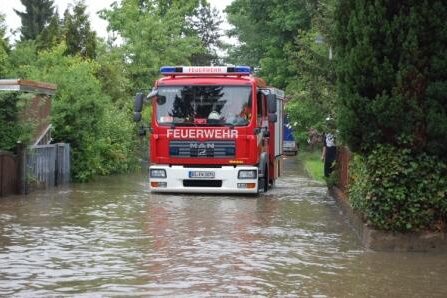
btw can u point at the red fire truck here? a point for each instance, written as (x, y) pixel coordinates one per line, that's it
(214, 130)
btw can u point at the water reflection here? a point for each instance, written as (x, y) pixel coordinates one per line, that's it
(113, 237)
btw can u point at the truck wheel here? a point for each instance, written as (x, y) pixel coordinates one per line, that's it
(266, 179)
(263, 182)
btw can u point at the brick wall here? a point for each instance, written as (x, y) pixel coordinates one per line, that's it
(37, 111)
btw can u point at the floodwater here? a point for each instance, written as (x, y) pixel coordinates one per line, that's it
(114, 238)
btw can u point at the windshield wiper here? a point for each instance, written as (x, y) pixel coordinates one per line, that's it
(175, 124)
(219, 124)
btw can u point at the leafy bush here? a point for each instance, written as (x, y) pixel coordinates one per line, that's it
(101, 135)
(8, 118)
(117, 143)
(399, 190)
(3, 62)
(20, 59)
(12, 129)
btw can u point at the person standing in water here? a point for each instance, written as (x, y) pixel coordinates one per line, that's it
(329, 153)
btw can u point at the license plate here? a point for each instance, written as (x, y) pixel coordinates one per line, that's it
(201, 174)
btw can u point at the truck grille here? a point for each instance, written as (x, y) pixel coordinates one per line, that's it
(222, 149)
(202, 183)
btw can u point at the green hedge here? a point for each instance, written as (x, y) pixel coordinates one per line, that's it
(8, 119)
(398, 190)
(11, 129)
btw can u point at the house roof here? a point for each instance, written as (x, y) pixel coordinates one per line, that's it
(28, 86)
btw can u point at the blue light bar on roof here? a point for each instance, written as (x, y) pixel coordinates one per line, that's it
(242, 69)
(205, 70)
(168, 69)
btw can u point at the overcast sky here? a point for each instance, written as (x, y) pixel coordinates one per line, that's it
(93, 6)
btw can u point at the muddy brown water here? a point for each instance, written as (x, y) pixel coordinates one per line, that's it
(113, 237)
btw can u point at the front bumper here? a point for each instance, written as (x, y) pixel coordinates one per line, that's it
(225, 180)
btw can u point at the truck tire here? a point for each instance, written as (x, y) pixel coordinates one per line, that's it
(263, 182)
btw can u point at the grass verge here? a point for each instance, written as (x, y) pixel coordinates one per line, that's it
(312, 164)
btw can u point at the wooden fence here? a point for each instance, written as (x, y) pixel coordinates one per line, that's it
(40, 166)
(63, 164)
(48, 165)
(344, 156)
(8, 173)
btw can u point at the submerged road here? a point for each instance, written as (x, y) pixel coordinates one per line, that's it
(113, 237)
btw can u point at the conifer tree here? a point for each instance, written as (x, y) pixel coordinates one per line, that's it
(79, 37)
(3, 39)
(51, 35)
(155, 33)
(36, 16)
(392, 74)
(205, 24)
(4, 48)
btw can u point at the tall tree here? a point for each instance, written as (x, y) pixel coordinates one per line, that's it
(278, 38)
(79, 37)
(392, 74)
(51, 35)
(155, 34)
(113, 75)
(205, 23)
(4, 47)
(36, 16)
(3, 39)
(265, 29)
(311, 64)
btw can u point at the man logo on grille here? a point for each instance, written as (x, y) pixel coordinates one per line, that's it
(202, 149)
(201, 146)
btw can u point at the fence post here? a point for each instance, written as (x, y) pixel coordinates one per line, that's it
(21, 153)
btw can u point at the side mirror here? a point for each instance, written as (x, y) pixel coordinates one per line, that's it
(137, 116)
(271, 100)
(273, 118)
(139, 100)
(153, 93)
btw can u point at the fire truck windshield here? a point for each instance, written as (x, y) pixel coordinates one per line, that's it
(204, 105)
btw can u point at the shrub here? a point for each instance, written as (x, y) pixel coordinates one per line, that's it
(117, 143)
(12, 130)
(399, 190)
(101, 135)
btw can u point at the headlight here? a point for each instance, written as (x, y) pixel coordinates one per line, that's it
(157, 173)
(247, 174)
